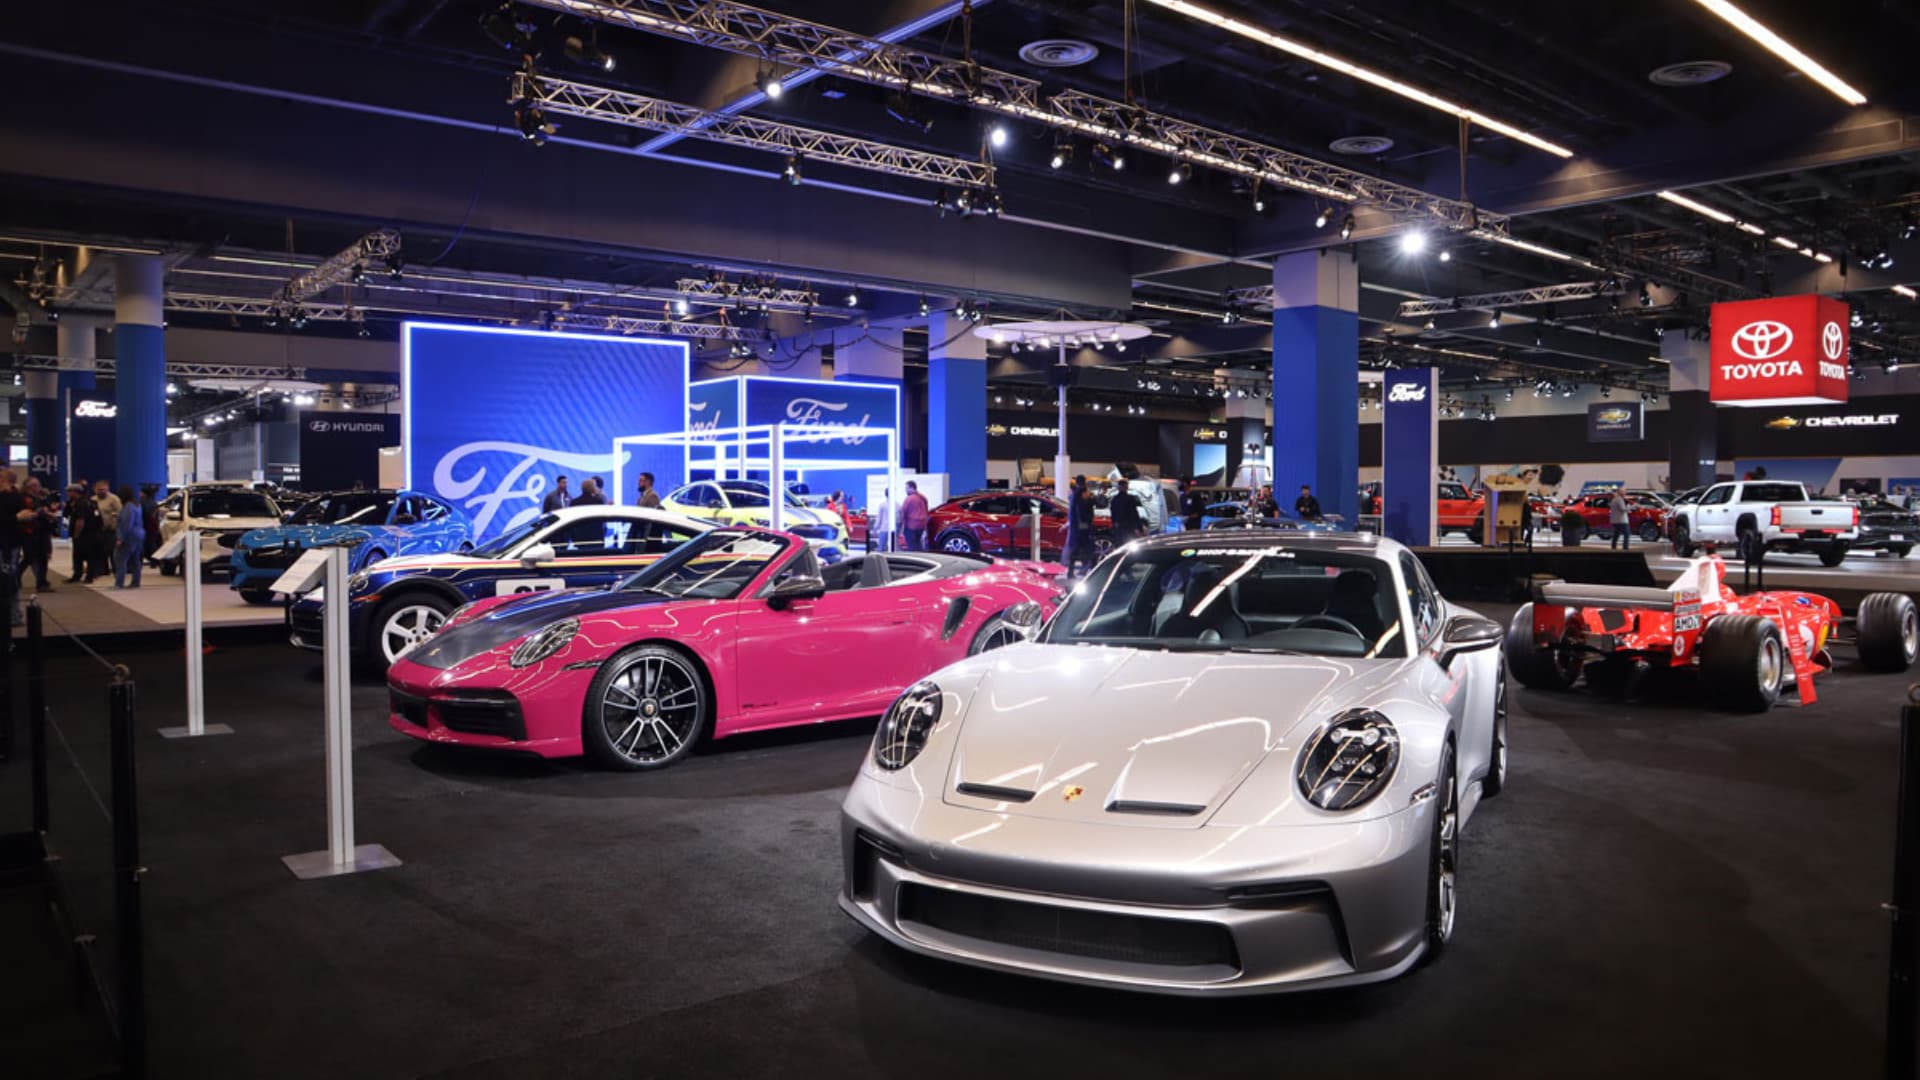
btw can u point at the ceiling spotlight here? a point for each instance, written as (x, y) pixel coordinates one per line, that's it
(1446, 255)
(1320, 219)
(586, 52)
(1856, 320)
(1430, 323)
(1180, 174)
(1494, 319)
(396, 266)
(1346, 227)
(1119, 346)
(769, 84)
(1413, 242)
(1062, 154)
(1108, 156)
(853, 298)
(1509, 393)
(792, 170)
(532, 124)
(1229, 317)
(681, 307)
(173, 388)
(1646, 294)
(924, 306)
(504, 29)
(997, 136)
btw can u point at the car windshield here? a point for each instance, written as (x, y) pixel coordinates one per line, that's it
(230, 502)
(713, 566)
(501, 545)
(346, 508)
(1766, 493)
(1253, 598)
(742, 494)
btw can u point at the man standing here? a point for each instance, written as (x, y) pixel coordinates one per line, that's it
(83, 530)
(649, 499)
(1079, 551)
(1193, 505)
(589, 494)
(1264, 505)
(1124, 508)
(557, 499)
(13, 515)
(130, 539)
(99, 564)
(913, 518)
(1617, 519)
(37, 527)
(1306, 507)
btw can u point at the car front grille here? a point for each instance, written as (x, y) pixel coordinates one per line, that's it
(229, 539)
(1094, 935)
(408, 707)
(814, 532)
(482, 712)
(272, 558)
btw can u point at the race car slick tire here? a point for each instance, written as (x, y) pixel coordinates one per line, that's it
(1496, 779)
(1535, 667)
(995, 634)
(257, 596)
(1887, 631)
(1682, 540)
(1649, 532)
(1443, 861)
(1743, 662)
(401, 624)
(958, 541)
(646, 709)
(1833, 555)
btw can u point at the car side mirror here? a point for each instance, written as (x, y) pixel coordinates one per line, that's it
(1468, 633)
(1024, 618)
(537, 554)
(797, 587)
(173, 515)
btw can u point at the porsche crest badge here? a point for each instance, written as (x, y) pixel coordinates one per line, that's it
(1073, 791)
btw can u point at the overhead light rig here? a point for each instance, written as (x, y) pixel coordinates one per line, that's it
(349, 265)
(1545, 294)
(781, 41)
(176, 369)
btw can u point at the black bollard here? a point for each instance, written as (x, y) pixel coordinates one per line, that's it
(131, 1003)
(37, 714)
(1903, 966)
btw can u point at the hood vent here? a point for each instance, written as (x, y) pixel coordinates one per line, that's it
(1165, 809)
(995, 792)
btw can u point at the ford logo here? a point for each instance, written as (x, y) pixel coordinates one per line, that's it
(1832, 341)
(1762, 340)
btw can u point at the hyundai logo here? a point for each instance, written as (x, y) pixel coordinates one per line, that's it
(1762, 340)
(1833, 341)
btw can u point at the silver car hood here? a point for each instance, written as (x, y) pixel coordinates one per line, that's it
(1148, 737)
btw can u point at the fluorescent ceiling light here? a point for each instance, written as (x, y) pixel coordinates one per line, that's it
(1750, 228)
(1698, 207)
(1366, 75)
(1778, 46)
(1821, 256)
(1787, 242)
(1536, 249)
(1906, 292)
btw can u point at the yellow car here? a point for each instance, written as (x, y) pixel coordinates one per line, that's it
(746, 502)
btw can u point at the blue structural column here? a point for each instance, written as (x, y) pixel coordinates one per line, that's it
(1316, 379)
(956, 403)
(75, 341)
(1410, 456)
(140, 371)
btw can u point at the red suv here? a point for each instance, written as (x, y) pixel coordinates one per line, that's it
(986, 521)
(1646, 516)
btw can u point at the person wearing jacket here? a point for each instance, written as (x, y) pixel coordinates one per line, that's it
(913, 518)
(83, 529)
(130, 541)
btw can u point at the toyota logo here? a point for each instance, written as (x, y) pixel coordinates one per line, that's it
(1833, 341)
(1762, 340)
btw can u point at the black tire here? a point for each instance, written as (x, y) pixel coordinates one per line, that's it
(257, 596)
(671, 709)
(958, 541)
(1579, 530)
(1900, 550)
(1744, 662)
(1833, 555)
(1536, 668)
(1649, 532)
(993, 634)
(412, 615)
(1682, 539)
(1478, 532)
(1749, 545)
(1443, 862)
(1496, 779)
(1887, 631)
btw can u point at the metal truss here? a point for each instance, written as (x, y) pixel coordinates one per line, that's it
(749, 293)
(178, 369)
(568, 98)
(630, 324)
(379, 244)
(1545, 294)
(262, 306)
(794, 43)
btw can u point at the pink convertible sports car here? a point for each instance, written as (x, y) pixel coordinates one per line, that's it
(736, 630)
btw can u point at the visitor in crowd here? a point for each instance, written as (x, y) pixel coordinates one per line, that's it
(913, 518)
(150, 518)
(1306, 507)
(882, 520)
(1124, 508)
(83, 530)
(1079, 554)
(589, 493)
(558, 498)
(1193, 505)
(37, 527)
(837, 503)
(648, 498)
(1617, 518)
(1264, 505)
(130, 540)
(101, 562)
(13, 515)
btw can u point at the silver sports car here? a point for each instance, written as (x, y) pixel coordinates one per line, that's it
(1230, 763)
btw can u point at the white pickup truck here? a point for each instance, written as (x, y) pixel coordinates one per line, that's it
(1765, 515)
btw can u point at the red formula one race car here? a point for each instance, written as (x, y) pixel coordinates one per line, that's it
(1746, 649)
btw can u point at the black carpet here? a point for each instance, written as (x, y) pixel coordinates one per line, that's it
(1664, 890)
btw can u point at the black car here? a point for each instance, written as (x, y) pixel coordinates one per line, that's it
(1885, 526)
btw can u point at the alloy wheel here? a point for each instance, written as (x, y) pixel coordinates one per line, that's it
(651, 709)
(1500, 727)
(1910, 634)
(958, 544)
(1771, 662)
(407, 628)
(1444, 866)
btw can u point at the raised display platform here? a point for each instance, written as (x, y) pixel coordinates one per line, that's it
(1502, 575)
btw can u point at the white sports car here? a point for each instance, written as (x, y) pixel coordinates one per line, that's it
(1230, 763)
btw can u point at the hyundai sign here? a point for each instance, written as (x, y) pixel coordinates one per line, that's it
(1788, 351)
(492, 416)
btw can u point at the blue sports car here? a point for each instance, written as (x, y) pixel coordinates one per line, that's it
(1233, 515)
(400, 602)
(376, 524)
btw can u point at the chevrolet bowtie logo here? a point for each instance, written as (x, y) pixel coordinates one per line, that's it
(1783, 423)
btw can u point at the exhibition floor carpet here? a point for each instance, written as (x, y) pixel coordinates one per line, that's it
(1664, 890)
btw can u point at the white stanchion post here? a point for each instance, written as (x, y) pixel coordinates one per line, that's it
(196, 724)
(343, 855)
(777, 485)
(1034, 523)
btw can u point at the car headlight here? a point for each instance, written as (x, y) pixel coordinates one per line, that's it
(357, 583)
(1350, 761)
(765, 523)
(903, 731)
(544, 642)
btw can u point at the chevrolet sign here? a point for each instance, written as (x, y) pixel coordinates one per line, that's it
(1861, 420)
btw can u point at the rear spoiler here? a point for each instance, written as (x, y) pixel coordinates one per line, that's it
(1567, 594)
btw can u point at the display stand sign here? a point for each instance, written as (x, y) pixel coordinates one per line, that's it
(1786, 351)
(1410, 456)
(185, 546)
(305, 573)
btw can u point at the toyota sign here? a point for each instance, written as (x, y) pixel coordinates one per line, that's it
(1788, 351)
